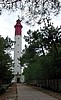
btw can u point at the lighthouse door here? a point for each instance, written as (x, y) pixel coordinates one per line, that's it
(18, 80)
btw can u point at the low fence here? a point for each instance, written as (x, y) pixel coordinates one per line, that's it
(51, 84)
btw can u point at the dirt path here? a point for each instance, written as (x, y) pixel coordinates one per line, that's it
(28, 93)
(15, 90)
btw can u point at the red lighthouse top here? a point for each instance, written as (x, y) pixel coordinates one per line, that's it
(18, 27)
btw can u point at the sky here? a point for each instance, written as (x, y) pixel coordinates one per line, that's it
(8, 20)
(7, 23)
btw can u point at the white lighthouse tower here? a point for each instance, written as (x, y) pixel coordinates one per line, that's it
(17, 50)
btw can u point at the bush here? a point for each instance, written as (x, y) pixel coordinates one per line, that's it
(3, 88)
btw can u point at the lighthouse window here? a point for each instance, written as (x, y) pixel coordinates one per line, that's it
(18, 38)
(18, 51)
(17, 58)
(18, 44)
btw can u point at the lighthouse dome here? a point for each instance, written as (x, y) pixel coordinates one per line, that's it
(18, 27)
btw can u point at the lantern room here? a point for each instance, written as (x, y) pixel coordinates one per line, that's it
(18, 27)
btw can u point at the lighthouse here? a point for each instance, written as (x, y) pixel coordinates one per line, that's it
(17, 50)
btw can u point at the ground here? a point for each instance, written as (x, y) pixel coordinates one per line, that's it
(11, 93)
(49, 92)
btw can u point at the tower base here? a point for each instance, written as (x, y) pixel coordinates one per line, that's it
(18, 78)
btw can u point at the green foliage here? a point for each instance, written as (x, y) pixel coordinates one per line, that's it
(5, 63)
(35, 10)
(42, 56)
